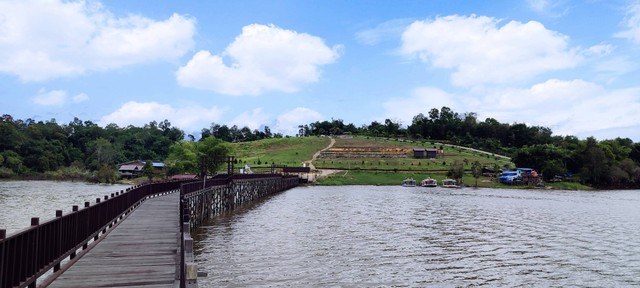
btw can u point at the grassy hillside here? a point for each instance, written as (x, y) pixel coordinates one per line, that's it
(442, 163)
(282, 151)
(372, 171)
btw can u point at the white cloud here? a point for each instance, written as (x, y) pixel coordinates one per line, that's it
(189, 118)
(421, 100)
(384, 31)
(481, 52)
(632, 23)
(538, 5)
(551, 8)
(599, 50)
(80, 98)
(574, 107)
(288, 122)
(50, 98)
(40, 40)
(253, 119)
(263, 58)
(609, 69)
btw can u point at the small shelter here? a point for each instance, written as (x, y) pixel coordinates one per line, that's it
(429, 153)
(130, 170)
(133, 169)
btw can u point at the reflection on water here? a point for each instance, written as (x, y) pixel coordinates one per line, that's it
(392, 236)
(21, 200)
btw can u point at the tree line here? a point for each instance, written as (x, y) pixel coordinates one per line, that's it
(30, 147)
(608, 163)
(83, 149)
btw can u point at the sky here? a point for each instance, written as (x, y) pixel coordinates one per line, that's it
(572, 66)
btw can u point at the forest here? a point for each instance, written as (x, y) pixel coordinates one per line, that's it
(83, 149)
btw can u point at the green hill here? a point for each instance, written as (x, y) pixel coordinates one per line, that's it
(387, 157)
(376, 169)
(291, 151)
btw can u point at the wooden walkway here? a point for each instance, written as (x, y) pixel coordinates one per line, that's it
(140, 252)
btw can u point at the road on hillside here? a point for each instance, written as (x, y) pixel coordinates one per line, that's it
(323, 172)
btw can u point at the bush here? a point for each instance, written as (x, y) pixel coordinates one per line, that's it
(6, 172)
(106, 174)
(53, 175)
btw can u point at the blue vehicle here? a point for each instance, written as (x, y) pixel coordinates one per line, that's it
(511, 176)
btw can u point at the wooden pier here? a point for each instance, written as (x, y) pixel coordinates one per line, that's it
(134, 238)
(141, 251)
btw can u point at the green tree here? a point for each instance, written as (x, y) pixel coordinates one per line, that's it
(476, 170)
(211, 154)
(147, 170)
(106, 174)
(101, 152)
(200, 157)
(595, 167)
(456, 171)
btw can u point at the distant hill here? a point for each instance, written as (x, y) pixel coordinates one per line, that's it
(385, 154)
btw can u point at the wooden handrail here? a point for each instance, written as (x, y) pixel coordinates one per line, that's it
(31, 252)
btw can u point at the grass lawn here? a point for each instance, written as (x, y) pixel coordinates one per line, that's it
(290, 151)
(442, 163)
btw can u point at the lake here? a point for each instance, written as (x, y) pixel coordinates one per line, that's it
(368, 236)
(21, 200)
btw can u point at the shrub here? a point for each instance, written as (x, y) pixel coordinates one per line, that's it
(6, 172)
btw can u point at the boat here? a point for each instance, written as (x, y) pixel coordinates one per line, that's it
(429, 182)
(409, 182)
(450, 183)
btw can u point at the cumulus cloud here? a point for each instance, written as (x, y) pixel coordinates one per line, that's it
(57, 98)
(632, 24)
(80, 98)
(287, 123)
(482, 52)
(253, 119)
(262, 58)
(575, 107)
(191, 118)
(50, 98)
(40, 40)
(421, 100)
(568, 107)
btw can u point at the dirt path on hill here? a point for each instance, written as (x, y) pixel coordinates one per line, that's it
(323, 172)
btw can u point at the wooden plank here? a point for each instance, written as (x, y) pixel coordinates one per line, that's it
(139, 252)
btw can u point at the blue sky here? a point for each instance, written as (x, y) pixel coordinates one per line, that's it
(571, 66)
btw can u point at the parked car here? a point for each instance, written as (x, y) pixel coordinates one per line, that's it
(511, 176)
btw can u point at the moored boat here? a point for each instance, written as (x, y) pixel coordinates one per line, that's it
(429, 182)
(450, 183)
(409, 182)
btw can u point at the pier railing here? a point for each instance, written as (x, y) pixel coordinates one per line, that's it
(202, 200)
(31, 252)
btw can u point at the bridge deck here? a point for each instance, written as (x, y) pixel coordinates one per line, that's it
(140, 251)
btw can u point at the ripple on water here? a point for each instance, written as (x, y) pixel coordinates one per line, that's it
(389, 236)
(21, 200)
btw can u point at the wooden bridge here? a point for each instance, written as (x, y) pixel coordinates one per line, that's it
(138, 237)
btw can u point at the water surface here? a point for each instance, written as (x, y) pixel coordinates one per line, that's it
(367, 236)
(21, 200)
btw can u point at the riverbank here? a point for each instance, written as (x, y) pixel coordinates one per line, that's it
(393, 178)
(88, 180)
